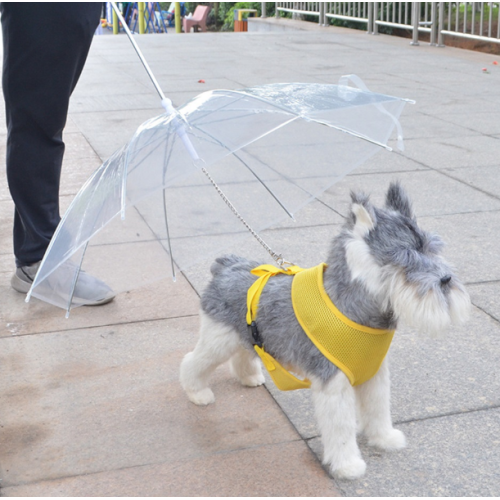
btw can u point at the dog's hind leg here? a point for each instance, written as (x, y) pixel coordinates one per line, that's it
(217, 343)
(335, 407)
(374, 412)
(246, 367)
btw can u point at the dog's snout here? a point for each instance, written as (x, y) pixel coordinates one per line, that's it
(445, 279)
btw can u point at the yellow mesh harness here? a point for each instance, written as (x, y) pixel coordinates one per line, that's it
(355, 349)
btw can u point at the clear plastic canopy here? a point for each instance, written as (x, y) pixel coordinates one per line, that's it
(151, 207)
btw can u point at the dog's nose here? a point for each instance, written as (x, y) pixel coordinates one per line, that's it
(445, 280)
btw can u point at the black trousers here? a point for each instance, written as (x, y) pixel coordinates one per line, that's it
(45, 48)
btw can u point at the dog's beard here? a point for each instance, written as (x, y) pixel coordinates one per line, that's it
(431, 311)
(460, 304)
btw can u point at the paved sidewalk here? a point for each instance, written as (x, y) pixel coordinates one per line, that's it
(91, 406)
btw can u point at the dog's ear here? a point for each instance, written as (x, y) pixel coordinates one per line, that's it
(363, 215)
(398, 200)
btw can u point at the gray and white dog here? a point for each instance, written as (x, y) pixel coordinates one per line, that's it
(382, 269)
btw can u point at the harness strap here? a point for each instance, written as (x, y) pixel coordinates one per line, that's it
(264, 272)
(284, 380)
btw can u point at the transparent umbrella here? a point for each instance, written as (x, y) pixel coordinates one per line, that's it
(193, 179)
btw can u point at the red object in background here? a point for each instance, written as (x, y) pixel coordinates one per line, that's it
(201, 81)
(495, 63)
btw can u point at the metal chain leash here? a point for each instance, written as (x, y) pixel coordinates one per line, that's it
(277, 257)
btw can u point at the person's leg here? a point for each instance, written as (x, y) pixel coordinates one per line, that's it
(45, 48)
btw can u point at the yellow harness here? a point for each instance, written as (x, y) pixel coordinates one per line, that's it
(356, 349)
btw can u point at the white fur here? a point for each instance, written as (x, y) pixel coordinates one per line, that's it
(364, 222)
(335, 409)
(363, 267)
(433, 312)
(374, 412)
(217, 344)
(246, 367)
(460, 305)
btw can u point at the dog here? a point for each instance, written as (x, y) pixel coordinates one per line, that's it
(382, 269)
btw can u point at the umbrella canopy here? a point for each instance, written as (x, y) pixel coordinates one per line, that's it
(154, 199)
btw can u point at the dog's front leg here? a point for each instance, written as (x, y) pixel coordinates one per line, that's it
(335, 406)
(374, 411)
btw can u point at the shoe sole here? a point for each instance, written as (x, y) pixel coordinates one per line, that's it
(20, 285)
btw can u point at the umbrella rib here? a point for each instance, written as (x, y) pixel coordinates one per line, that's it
(168, 235)
(165, 165)
(270, 191)
(317, 120)
(75, 279)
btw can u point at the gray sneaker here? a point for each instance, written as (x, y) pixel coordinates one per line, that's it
(89, 291)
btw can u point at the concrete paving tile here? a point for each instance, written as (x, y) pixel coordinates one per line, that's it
(431, 192)
(434, 126)
(482, 122)
(6, 265)
(452, 456)
(163, 299)
(470, 243)
(70, 127)
(448, 104)
(483, 178)
(456, 373)
(78, 146)
(485, 297)
(454, 152)
(101, 399)
(75, 172)
(306, 250)
(298, 406)
(389, 161)
(283, 470)
(93, 83)
(115, 129)
(6, 222)
(114, 102)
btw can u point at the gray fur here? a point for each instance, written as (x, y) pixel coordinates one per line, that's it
(396, 244)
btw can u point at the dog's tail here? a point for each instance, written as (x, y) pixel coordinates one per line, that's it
(223, 262)
(232, 262)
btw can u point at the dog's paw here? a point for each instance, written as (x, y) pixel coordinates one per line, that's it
(394, 439)
(253, 380)
(352, 469)
(202, 398)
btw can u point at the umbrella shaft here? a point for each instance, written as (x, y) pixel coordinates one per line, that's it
(138, 50)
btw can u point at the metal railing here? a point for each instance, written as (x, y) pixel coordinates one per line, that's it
(474, 20)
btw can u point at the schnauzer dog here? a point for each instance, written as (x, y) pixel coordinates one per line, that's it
(381, 269)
